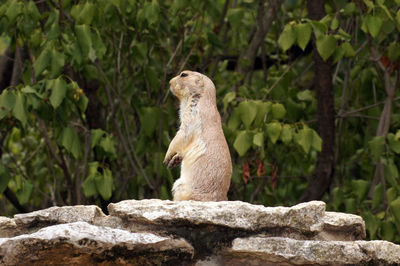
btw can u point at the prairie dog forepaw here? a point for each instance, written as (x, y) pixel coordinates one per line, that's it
(172, 161)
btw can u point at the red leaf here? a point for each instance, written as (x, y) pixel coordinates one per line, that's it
(260, 168)
(385, 61)
(246, 172)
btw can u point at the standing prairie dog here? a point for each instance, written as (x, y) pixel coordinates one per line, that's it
(200, 143)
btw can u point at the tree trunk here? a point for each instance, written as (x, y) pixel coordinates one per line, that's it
(324, 171)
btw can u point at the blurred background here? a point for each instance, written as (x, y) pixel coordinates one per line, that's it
(307, 91)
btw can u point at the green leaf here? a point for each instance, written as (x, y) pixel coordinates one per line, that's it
(374, 25)
(377, 145)
(316, 141)
(14, 10)
(388, 231)
(393, 143)
(33, 10)
(84, 38)
(235, 16)
(391, 194)
(360, 188)
(338, 197)
(83, 102)
(303, 34)
(287, 38)
(58, 92)
(395, 209)
(243, 142)
(392, 174)
(348, 49)
(258, 139)
(19, 111)
(305, 95)
(86, 14)
(28, 89)
(381, 5)
(24, 193)
(234, 120)
(229, 97)
(5, 177)
(273, 130)
(319, 28)
(377, 197)
(4, 43)
(326, 45)
(398, 17)
(278, 111)
(369, 3)
(372, 223)
(305, 138)
(42, 62)
(335, 23)
(95, 136)
(394, 51)
(70, 141)
(89, 187)
(262, 109)
(149, 12)
(286, 134)
(7, 102)
(57, 63)
(108, 146)
(98, 45)
(350, 8)
(350, 205)
(248, 112)
(104, 184)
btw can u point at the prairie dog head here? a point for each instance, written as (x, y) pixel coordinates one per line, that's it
(189, 83)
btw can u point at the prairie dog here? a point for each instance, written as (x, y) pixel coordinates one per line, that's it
(200, 143)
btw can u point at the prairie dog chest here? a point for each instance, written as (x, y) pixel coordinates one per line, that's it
(191, 122)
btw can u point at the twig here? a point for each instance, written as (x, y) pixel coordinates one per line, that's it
(60, 161)
(259, 188)
(279, 79)
(365, 108)
(119, 131)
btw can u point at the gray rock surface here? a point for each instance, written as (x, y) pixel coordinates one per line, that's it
(342, 226)
(81, 242)
(306, 217)
(58, 215)
(156, 232)
(284, 251)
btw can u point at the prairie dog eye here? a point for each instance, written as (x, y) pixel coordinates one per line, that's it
(184, 75)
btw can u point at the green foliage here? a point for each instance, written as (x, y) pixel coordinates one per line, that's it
(90, 117)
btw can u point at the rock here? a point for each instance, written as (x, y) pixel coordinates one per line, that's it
(305, 217)
(342, 226)
(82, 243)
(284, 251)
(381, 251)
(8, 228)
(59, 215)
(156, 232)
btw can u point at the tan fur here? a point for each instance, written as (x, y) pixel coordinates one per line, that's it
(206, 168)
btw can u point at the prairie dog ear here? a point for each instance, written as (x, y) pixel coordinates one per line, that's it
(199, 81)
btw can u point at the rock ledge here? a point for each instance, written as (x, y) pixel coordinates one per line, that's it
(156, 232)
